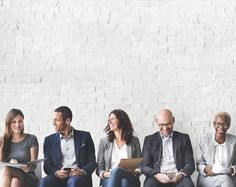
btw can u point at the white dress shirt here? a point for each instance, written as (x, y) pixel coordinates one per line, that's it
(117, 154)
(68, 150)
(167, 159)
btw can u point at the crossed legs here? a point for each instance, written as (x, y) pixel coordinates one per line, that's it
(12, 177)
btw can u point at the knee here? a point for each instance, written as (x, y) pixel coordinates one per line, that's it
(187, 182)
(16, 181)
(124, 183)
(226, 178)
(116, 171)
(150, 182)
(44, 182)
(7, 172)
(76, 181)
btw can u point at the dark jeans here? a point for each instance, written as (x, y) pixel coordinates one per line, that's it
(74, 181)
(153, 182)
(121, 178)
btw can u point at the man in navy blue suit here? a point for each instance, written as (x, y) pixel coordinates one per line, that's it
(69, 153)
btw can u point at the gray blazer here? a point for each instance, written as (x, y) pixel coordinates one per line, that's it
(206, 151)
(105, 153)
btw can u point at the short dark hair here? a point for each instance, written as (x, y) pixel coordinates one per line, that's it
(224, 116)
(65, 111)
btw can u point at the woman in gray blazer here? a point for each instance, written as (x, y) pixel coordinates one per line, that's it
(216, 155)
(119, 143)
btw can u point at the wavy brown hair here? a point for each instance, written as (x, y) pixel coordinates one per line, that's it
(5, 140)
(124, 124)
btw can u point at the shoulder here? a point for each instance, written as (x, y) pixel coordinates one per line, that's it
(31, 137)
(152, 139)
(206, 137)
(81, 133)
(181, 135)
(231, 137)
(51, 136)
(31, 140)
(134, 139)
(105, 142)
(152, 136)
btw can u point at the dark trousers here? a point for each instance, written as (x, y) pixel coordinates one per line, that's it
(74, 181)
(153, 182)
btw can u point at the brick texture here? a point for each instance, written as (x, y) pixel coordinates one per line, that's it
(137, 55)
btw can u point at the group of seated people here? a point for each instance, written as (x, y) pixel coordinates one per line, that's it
(69, 154)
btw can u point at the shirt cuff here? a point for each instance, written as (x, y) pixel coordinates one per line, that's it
(183, 173)
(101, 175)
(84, 172)
(234, 170)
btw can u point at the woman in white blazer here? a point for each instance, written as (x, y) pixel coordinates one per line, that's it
(119, 143)
(216, 155)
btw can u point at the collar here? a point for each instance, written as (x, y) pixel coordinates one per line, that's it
(217, 144)
(167, 137)
(227, 140)
(70, 135)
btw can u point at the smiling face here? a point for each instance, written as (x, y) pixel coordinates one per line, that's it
(165, 122)
(17, 124)
(221, 126)
(113, 122)
(59, 123)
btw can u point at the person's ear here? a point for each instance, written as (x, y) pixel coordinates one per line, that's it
(67, 121)
(173, 119)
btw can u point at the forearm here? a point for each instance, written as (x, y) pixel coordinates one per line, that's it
(90, 167)
(149, 171)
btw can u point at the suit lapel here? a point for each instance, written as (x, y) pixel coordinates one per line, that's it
(129, 150)
(175, 146)
(108, 153)
(211, 150)
(110, 148)
(229, 144)
(158, 148)
(77, 143)
(58, 148)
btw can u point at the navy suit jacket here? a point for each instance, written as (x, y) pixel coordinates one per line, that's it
(84, 151)
(152, 153)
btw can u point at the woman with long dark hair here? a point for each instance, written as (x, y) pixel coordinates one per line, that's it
(16, 146)
(119, 143)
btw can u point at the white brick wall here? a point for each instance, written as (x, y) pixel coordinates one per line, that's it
(138, 55)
